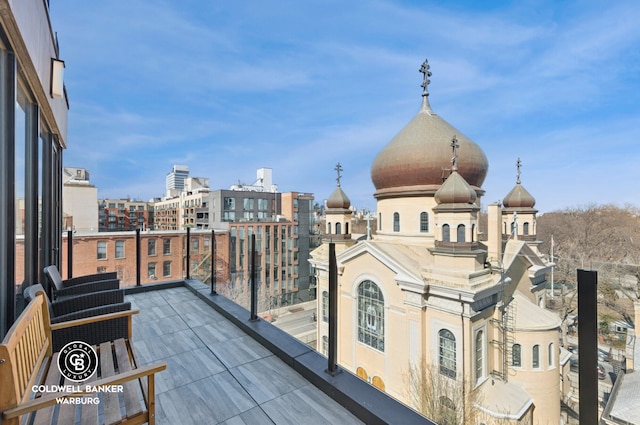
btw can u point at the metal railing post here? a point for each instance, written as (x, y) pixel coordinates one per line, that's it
(332, 365)
(188, 256)
(213, 262)
(138, 256)
(254, 292)
(588, 341)
(69, 254)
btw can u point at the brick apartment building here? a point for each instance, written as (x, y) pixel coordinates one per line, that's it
(162, 256)
(124, 214)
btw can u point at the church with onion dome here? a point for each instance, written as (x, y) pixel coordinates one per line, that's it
(429, 304)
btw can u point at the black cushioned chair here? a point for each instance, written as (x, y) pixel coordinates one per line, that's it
(80, 285)
(82, 307)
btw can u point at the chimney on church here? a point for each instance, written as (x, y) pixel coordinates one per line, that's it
(494, 232)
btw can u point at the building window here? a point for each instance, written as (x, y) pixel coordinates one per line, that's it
(151, 270)
(338, 229)
(550, 354)
(325, 306)
(119, 249)
(380, 221)
(166, 246)
(396, 222)
(378, 383)
(447, 410)
(473, 233)
(329, 228)
(479, 355)
(346, 228)
(102, 250)
(516, 355)
(447, 353)
(151, 247)
(446, 233)
(461, 229)
(371, 315)
(424, 222)
(362, 374)
(535, 356)
(229, 204)
(525, 228)
(195, 245)
(166, 269)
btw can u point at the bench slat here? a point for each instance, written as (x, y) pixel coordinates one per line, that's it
(130, 390)
(110, 401)
(89, 413)
(67, 413)
(45, 416)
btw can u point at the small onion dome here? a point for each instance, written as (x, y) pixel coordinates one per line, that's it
(455, 190)
(519, 198)
(338, 200)
(413, 161)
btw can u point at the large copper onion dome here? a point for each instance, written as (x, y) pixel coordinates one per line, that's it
(413, 162)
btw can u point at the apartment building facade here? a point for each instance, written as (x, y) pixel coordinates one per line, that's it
(117, 215)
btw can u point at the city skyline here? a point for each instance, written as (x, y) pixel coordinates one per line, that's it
(230, 88)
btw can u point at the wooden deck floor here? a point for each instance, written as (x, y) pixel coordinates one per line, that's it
(216, 373)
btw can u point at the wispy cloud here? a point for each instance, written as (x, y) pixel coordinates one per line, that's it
(229, 87)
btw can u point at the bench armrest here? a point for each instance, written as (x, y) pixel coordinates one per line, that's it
(51, 399)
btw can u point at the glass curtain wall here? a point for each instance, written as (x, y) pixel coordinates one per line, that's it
(30, 189)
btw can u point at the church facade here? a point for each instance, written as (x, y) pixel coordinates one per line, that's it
(454, 326)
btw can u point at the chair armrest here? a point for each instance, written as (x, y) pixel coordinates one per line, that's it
(91, 312)
(93, 330)
(68, 305)
(85, 288)
(94, 319)
(51, 399)
(89, 278)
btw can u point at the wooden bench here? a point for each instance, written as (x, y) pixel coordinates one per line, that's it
(27, 362)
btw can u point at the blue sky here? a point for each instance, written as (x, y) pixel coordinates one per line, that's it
(227, 87)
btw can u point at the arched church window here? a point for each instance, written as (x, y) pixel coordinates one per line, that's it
(338, 229)
(424, 222)
(535, 356)
(473, 233)
(550, 354)
(346, 228)
(525, 228)
(447, 353)
(380, 221)
(516, 355)
(378, 383)
(479, 355)
(446, 233)
(325, 306)
(396, 222)
(461, 229)
(329, 228)
(371, 315)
